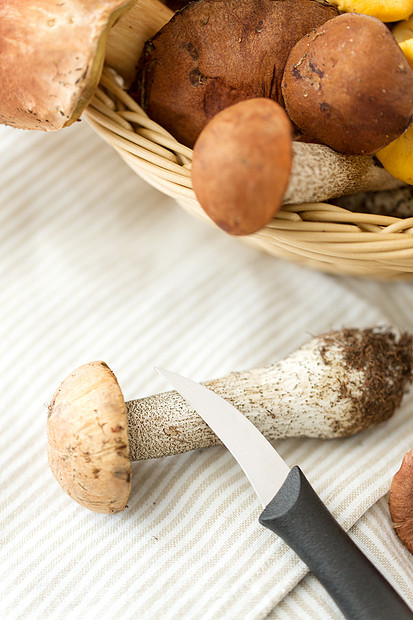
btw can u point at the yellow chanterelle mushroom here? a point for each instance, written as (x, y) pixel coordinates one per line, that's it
(403, 33)
(386, 10)
(397, 157)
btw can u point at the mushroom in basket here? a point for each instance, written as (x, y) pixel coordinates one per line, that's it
(196, 63)
(346, 84)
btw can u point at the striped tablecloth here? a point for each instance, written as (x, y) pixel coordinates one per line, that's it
(95, 264)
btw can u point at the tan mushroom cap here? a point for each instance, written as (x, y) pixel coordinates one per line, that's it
(88, 445)
(51, 57)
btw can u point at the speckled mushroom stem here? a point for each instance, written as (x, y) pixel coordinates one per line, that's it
(319, 173)
(337, 385)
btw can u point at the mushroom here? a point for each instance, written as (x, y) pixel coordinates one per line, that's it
(319, 173)
(401, 501)
(214, 53)
(88, 445)
(385, 10)
(336, 385)
(347, 84)
(397, 157)
(242, 163)
(403, 33)
(60, 49)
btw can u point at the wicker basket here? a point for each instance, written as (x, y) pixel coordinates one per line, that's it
(319, 235)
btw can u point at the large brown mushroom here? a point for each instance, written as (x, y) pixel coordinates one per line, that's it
(348, 85)
(214, 53)
(52, 53)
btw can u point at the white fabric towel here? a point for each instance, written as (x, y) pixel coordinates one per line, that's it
(96, 264)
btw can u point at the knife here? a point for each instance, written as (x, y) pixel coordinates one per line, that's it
(294, 511)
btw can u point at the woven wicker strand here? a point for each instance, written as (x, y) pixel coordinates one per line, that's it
(318, 235)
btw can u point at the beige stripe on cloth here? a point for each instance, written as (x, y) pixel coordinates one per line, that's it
(95, 264)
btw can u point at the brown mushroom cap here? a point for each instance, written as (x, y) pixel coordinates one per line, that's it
(242, 163)
(214, 53)
(349, 85)
(88, 445)
(51, 57)
(401, 501)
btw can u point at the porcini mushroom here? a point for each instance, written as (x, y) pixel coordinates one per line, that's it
(215, 53)
(401, 501)
(348, 85)
(336, 385)
(319, 173)
(242, 163)
(52, 54)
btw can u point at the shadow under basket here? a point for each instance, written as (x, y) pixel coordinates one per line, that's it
(318, 235)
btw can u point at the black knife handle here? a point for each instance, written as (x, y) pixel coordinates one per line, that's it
(300, 518)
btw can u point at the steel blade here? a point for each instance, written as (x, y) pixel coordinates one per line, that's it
(262, 464)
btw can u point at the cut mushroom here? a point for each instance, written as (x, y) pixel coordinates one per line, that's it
(338, 384)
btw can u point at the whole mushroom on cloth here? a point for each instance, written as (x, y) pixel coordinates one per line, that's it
(345, 382)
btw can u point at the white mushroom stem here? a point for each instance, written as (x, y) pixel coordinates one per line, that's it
(338, 384)
(319, 173)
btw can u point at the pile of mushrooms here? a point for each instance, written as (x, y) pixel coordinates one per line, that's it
(213, 54)
(339, 80)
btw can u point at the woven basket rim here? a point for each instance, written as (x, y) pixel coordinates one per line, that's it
(319, 235)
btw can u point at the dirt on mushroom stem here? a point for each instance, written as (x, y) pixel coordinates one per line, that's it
(387, 371)
(338, 384)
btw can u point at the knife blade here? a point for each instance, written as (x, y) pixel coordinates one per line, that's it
(295, 512)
